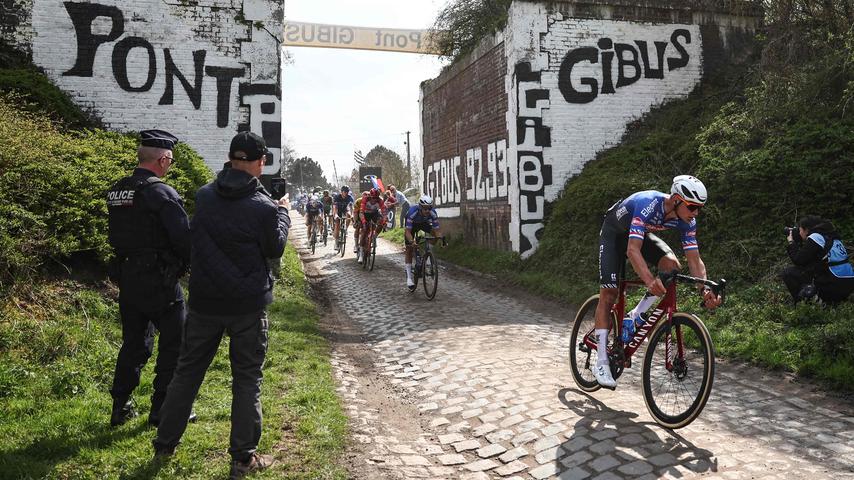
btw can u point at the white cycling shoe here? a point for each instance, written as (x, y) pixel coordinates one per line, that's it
(410, 284)
(603, 376)
(359, 260)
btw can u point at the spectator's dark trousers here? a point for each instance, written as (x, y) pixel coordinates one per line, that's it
(247, 349)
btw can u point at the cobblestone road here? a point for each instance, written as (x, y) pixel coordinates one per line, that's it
(475, 385)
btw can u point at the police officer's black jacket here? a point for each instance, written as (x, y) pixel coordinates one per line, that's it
(149, 231)
(235, 229)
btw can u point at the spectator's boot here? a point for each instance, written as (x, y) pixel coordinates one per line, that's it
(255, 463)
(122, 411)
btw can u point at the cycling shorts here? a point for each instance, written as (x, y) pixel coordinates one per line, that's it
(371, 216)
(613, 243)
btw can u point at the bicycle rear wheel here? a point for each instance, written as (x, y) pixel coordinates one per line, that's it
(373, 254)
(678, 371)
(430, 271)
(313, 239)
(582, 355)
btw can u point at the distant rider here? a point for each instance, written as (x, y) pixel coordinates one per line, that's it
(421, 217)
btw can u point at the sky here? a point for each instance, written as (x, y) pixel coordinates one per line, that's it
(336, 100)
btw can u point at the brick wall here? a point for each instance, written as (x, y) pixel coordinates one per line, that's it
(202, 70)
(465, 137)
(575, 74)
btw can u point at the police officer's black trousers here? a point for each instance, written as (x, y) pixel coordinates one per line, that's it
(137, 345)
(247, 349)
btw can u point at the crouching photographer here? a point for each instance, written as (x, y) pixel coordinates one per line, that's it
(821, 267)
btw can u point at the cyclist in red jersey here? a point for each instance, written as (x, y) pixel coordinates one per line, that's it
(372, 208)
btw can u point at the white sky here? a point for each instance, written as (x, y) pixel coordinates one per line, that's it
(336, 100)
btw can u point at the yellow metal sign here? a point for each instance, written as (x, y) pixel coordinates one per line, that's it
(303, 34)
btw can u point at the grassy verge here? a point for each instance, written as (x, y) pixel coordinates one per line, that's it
(58, 347)
(757, 324)
(394, 235)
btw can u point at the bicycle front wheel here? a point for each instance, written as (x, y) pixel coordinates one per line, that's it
(430, 271)
(678, 371)
(313, 240)
(343, 234)
(583, 355)
(373, 253)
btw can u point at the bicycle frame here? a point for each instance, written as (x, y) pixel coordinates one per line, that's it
(663, 311)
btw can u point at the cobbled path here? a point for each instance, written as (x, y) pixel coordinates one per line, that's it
(485, 377)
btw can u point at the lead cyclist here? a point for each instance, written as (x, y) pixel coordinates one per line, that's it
(627, 233)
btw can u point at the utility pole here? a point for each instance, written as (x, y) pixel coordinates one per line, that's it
(335, 172)
(408, 165)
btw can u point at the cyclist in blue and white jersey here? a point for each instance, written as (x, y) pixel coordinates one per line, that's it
(342, 207)
(421, 217)
(627, 233)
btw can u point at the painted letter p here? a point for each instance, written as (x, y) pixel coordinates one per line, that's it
(82, 15)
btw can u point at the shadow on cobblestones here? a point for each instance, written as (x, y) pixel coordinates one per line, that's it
(611, 438)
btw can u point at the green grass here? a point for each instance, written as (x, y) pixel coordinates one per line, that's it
(394, 235)
(57, 353)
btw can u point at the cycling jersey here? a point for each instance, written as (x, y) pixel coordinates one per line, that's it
(341, 202)
(327, 204)
(373, 205)
(644, 212)
(414, 217)
(314, 207)
(637, 217)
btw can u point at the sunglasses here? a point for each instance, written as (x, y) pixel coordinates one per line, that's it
(171, 159)
(692, 207)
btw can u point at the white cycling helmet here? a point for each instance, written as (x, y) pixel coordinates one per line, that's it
(690, 189)
(425, 201)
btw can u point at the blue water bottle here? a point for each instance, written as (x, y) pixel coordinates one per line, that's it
(628, 329)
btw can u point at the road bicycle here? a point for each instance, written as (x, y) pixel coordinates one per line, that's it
(341, 241)
(312, 242)
(325, 228)
(425, 266)
(371, 255)
(679, 364)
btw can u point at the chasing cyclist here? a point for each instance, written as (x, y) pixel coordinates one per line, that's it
(372, 209)
(627, 232)
(421, 217)
(342, 204)
(326, 200)
(314, 210)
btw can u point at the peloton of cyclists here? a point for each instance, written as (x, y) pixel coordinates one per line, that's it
(627, 232)
(371, 209)
(421, 217)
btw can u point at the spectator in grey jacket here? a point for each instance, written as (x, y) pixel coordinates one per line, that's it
(236, 228)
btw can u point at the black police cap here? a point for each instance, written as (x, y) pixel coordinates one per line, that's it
(247, 146)
(158, 139)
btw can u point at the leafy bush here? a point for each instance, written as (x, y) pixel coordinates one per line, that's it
(53, 184)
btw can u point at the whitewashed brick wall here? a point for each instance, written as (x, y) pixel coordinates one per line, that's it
(560, 135)
(111, 57)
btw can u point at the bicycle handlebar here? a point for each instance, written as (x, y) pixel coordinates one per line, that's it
(718, 288)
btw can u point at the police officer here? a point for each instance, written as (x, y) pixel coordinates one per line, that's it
(150, 233)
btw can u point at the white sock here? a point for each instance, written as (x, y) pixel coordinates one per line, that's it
(647, 301)
(601, 346)
(408, 268)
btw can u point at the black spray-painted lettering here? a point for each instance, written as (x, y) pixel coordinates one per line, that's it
(82, 15)
(194, 91)
(627, 56)
(533, 174)
(262, 100)
(120, 63)
(224, 78)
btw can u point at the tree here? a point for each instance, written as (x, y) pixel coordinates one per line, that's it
(394, 170)
(305, 173)
(463, 23)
